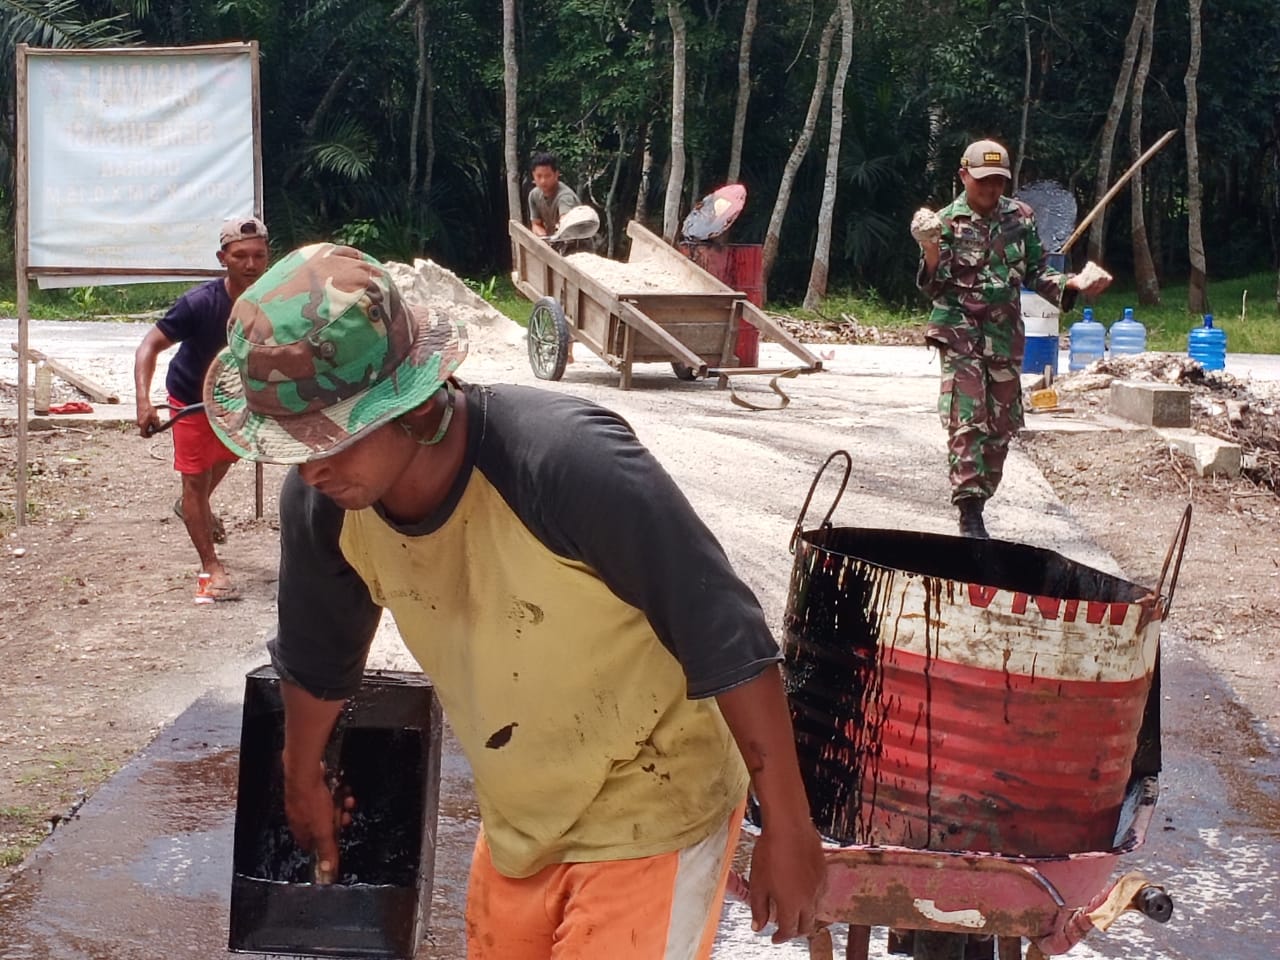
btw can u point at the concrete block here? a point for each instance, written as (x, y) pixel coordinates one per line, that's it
(1153, 404)
(1213, 457)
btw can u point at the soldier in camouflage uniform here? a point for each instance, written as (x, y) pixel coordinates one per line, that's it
(604, 669)
(975, 258)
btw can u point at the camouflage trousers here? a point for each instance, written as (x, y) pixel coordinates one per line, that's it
(980, 405)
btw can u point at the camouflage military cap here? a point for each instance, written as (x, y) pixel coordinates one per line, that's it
(321, 350)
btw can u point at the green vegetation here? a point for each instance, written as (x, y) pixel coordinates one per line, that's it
(93, 303)
(422, 171)
(1167, 324)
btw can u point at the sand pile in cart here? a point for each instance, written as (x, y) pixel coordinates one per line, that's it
(629, 277)
(491, 333)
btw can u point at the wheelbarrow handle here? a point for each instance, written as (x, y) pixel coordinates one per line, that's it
(188, 410)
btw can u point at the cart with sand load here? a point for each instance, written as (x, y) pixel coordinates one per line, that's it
(655, 307)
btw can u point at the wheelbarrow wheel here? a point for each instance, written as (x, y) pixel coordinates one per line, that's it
(548, 339)
(683, 372)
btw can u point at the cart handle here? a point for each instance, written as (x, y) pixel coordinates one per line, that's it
(826, 521)
(1180, 543)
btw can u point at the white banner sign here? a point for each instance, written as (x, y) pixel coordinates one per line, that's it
(136, 159)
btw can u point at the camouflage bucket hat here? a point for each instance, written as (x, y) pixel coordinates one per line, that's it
(321, 350)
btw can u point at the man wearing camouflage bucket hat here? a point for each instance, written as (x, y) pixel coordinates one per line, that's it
(603, 667)
(975, 255)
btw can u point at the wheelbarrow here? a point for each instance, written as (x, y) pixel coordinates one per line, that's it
(978, 726)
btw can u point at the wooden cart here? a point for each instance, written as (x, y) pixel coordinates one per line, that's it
(695, 329)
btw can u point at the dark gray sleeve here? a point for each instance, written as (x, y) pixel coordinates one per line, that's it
(590, 491)
(326, 616)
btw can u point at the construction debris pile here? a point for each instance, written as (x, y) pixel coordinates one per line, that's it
(1244, 411)
(847, 330)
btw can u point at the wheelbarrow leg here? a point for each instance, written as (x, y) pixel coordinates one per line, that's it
(1010, 948)
(859, 944)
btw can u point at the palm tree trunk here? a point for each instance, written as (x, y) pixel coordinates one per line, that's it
(773, 234)
(510, 82)
(646, 176)
(1197, 298)
(817, 291)
(1144, 268)
(744, 91)
(1109, 127)
(675, 179)
(420, 39)
(1026, 97)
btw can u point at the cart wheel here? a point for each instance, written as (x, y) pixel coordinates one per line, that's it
(548, 339)
(682, 372)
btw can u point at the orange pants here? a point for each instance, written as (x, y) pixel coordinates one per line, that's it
(665, 907)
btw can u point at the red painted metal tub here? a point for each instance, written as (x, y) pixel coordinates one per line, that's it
(970, 716)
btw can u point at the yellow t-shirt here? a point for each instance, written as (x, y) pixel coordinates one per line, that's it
(571, 703)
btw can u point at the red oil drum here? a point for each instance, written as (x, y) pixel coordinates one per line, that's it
(741, 267)
(960, 694)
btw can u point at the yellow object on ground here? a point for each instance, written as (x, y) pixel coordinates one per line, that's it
(1044, 399)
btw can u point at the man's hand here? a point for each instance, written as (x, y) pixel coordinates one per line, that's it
(788, 875)
(316, 813)
(1090, 281)
(787, 869)
(148, 418)
(314, 810)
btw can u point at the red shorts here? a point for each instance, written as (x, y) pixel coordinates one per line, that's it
(196, 448)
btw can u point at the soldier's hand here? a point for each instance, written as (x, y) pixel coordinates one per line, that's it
(926, 227)
(1090, 281)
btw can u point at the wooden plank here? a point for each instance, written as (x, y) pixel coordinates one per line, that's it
(765, 324)
(192, 272)
(683, 302)
(648, 247)
(90, 388)
(646, 327)
(774, 371)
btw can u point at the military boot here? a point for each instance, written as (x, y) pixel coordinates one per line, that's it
(971, 524)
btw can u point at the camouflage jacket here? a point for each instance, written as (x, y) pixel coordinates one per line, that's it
(976, 290)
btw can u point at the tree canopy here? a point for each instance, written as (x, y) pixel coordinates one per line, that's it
(344, 81)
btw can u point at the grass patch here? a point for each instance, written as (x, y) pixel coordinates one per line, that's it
(14, 855)
(1168, 323)
(121, 302)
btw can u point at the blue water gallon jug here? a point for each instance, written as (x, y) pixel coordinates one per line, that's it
(1208, 345)
(1128, 335)
(1088, 341)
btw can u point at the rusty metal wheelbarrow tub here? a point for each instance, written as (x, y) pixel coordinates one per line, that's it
(978, 726)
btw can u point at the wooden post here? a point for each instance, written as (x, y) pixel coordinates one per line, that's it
(20, 257)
